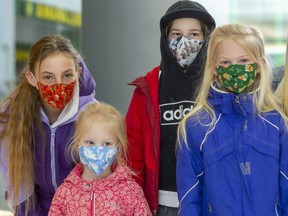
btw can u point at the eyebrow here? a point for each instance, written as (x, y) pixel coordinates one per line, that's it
(50, 73)
(245, 56)
(176, 29)
(227, 57)
(109, 140)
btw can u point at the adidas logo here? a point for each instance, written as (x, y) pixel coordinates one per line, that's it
(173, 113)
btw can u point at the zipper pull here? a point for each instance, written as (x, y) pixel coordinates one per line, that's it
(245, 125)
(237, 100)
(209, 208)
(245, 168)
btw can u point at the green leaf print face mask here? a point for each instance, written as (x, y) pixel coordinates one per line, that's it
(237, 78)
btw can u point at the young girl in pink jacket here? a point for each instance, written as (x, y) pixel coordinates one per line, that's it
(101, 184)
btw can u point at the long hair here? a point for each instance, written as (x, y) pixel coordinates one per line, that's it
(251, 40)
(22, 115)
(109, 118)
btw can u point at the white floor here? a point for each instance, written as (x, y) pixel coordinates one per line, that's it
(3, 205)
(5, 213)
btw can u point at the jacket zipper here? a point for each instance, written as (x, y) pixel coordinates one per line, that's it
(244, 165)
(93, 202)
(52, 164)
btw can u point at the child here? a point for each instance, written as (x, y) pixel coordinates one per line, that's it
(37, 121)
(94, 186)
(162, 98)
(233, 151)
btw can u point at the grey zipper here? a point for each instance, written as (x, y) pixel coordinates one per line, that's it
(52, 152)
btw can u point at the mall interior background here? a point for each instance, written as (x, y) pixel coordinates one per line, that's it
(119, 40)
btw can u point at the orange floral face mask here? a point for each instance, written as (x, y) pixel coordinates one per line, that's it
(57, 95)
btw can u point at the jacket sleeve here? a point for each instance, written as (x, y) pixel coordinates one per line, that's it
(189, 176)
(283, 201)
(134, 128)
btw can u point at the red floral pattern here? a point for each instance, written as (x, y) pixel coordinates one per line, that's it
(57, 95)
(117, 194)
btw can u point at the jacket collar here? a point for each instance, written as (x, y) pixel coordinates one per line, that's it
(228, 103)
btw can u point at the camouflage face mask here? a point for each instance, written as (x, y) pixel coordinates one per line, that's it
(237, 78)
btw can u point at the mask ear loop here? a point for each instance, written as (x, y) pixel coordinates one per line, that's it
(33, 77)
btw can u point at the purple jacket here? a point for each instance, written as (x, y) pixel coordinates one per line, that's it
(53, 164)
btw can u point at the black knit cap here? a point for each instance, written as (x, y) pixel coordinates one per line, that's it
(186, 8)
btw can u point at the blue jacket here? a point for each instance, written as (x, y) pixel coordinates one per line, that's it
(237, 166)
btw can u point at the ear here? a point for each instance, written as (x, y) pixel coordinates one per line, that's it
(79, 71)
(213, 71)
(31, 79)
(261, 62)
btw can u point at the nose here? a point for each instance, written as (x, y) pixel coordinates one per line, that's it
(58, 81)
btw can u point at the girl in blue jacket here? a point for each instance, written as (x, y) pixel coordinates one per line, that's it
(232, 155)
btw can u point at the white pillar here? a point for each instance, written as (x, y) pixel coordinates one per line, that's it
(7, 65)
(7, 47)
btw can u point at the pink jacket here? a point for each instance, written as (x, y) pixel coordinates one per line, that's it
(117, 194)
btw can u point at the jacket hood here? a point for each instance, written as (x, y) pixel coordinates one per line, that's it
(87, 83)
(190, 9)
(171, 70)
(183, 9)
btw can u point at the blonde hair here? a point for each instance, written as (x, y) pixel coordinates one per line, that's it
(22, 115)
(108, 117)
(282, 90)
(251, 40)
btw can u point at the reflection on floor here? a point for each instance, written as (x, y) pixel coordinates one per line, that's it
(5, 213)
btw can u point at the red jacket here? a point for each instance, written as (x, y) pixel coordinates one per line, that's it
(116, 194)
(143, 131)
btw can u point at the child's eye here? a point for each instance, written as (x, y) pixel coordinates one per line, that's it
(175, 34)
(107, 144)
(193, 35)
(244, 61)
(69, 75)
(89, 142)
(225, 63)
(47, 77)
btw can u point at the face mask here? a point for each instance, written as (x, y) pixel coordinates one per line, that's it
(96, 158)
(184, 50)
(57, 95)
(236, 77)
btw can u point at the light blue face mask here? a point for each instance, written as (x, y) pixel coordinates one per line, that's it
(97, 158)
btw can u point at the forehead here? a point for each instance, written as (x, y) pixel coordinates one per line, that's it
(230, 48)
(186, 23)
(55, 63)
(97, 130)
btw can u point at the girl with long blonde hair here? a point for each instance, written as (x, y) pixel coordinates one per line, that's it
(232, 147)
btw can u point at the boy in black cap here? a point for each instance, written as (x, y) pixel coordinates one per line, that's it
(162, 98)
